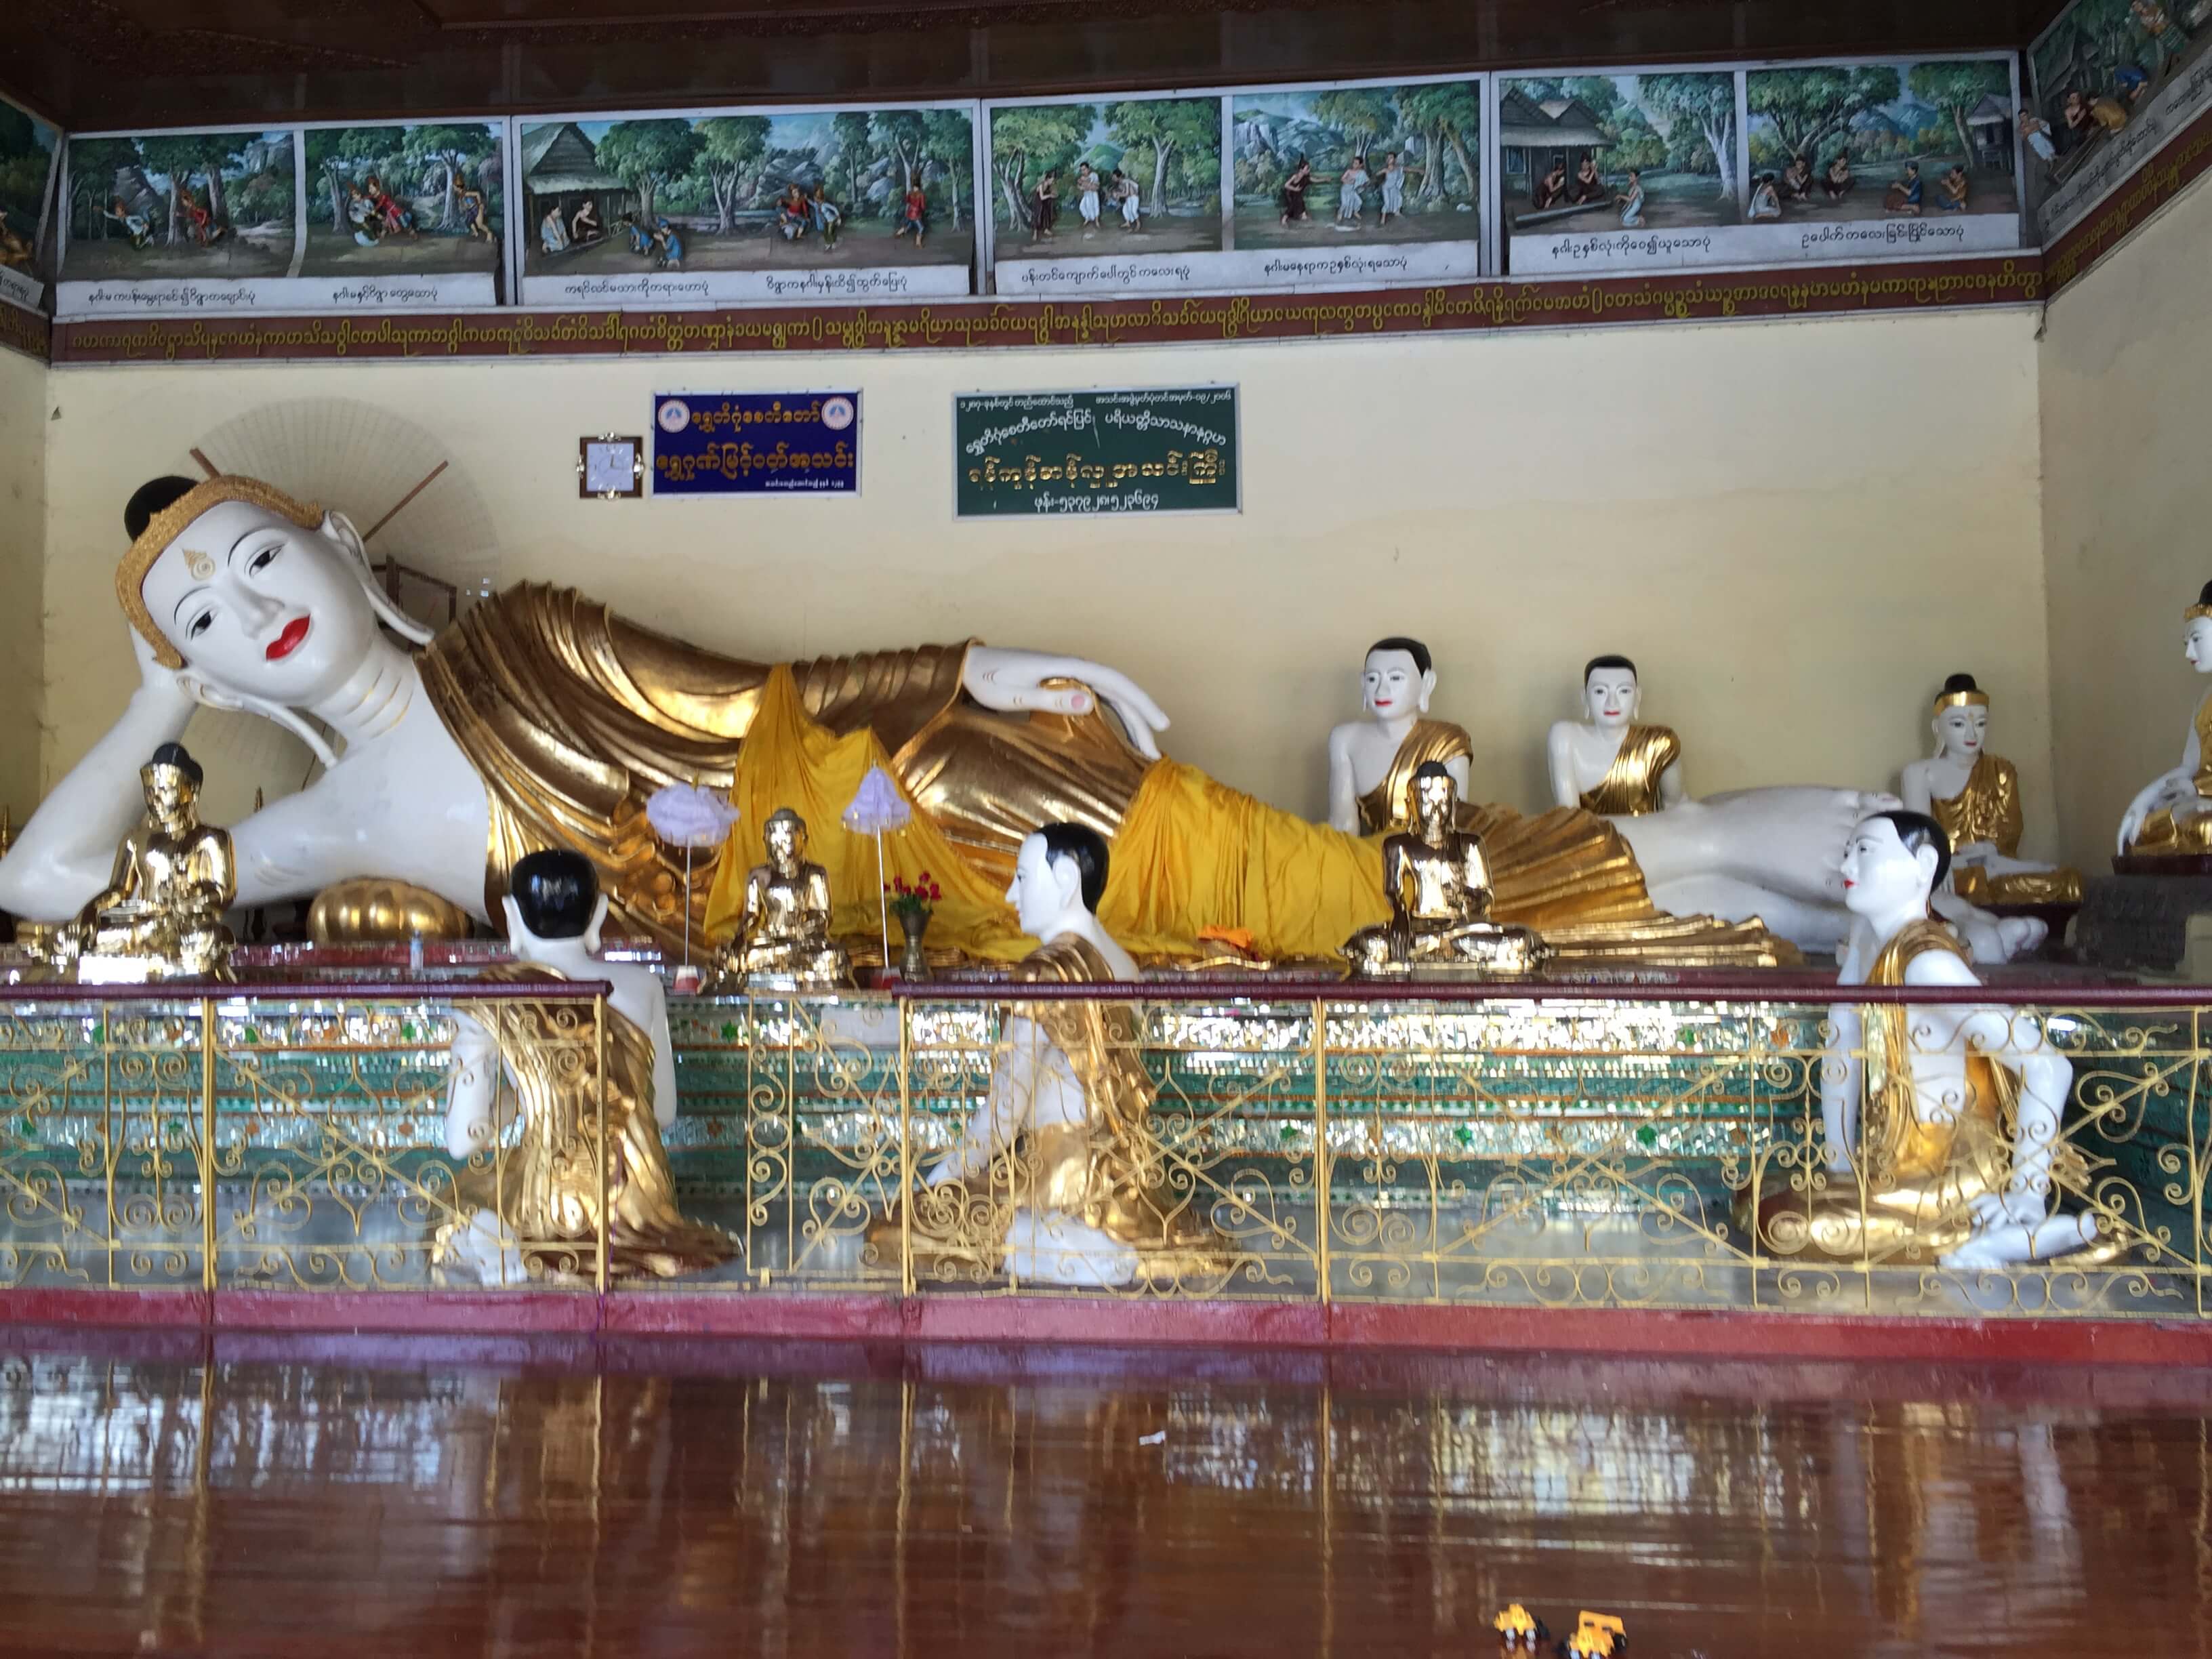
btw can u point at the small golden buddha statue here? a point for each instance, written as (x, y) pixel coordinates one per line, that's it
(1975, 796)
(1437, 884)
(782, 940)
(161, 916)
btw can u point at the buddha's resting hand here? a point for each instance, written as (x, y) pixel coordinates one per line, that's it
(1013, 683)
(2177, 795)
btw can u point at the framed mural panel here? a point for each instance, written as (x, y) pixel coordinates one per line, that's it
(1357, 182)
(1621, 170)
(733, 206)
(1898, 157)
(401, 216)
(2113, 80)
(1321, 184)
(1107, 195)
(181, 220)
(30, 154)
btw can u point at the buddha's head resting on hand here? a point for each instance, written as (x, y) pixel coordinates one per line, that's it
(1962, 721)
(1611, 693)
(1060, 873)
(1893, 862)
(1399, 679)
(2196, 632)
(255, 597)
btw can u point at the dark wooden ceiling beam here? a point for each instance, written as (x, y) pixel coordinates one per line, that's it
(145, 62)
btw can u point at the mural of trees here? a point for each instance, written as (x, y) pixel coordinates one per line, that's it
(1809, 107)
(421, 164)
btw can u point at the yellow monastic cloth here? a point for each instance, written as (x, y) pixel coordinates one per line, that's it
(1987, 808)
(1389, 806)
(1631, 785)
(572, 717)
(790, 760)
(2160, 833)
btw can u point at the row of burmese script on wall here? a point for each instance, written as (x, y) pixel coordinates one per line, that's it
(1340, 185)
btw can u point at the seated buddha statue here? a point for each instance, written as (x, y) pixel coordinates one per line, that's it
(1437, 884)
(542, 720)
(1975, 796)
(1060, 1177)
(531, 1209)
(161, 913)
(1941, 1124)
(783, 932)
(1371, 760)
(2171, 815)
(1770, 854)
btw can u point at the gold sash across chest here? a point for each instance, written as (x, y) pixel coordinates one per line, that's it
(1630, 786)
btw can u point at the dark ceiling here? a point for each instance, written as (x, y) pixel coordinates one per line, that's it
(96, 64)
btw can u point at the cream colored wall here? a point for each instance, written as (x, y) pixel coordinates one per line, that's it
(1797, 529)
(23, 577)
(2126, 366)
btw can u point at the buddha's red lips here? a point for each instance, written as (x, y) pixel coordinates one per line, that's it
(289, 641)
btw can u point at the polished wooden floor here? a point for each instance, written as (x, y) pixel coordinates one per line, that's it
(171, 1493)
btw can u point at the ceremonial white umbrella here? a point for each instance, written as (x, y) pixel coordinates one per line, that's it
(879, 805)
(684, 814)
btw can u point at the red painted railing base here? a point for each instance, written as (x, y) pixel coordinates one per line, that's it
(1650, 1334)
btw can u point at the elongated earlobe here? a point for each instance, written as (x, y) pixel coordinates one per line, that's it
(339, 528)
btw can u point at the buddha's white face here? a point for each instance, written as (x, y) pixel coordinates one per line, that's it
(1962, 729)
(1611, 696)
(1393, 686)
(259, 607)
(1044, 890)
(1882, 875)
(2196, 644)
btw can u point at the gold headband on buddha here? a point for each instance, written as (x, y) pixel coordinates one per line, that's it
(1961, 699)
(165, 527)
(2195, 612)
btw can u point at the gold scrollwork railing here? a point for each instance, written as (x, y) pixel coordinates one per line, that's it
(1604, 1146)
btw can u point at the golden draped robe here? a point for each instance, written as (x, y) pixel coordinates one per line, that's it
(1910, 1195)
(1987, 808)
(546, 1191)
(572, 717)
(2160, 835)
(1110, 1172)
(1630, 786)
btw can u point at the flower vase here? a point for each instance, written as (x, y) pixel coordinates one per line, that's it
(913, 966)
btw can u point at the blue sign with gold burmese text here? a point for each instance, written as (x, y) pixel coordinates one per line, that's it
(747, 443)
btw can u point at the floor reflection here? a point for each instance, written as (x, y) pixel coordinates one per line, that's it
(164, 1494)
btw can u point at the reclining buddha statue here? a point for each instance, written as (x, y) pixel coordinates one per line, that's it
(542, 720)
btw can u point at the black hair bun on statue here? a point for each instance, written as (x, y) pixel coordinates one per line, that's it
(2205, 596)
(151, 497)
(1959, 682)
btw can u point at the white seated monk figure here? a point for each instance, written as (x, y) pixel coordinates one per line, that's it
(2171, 815)
(1772, 853)
(542, 720)
(1975, 796)
(1074, 1186)
(1941, 1123)
(532, 1210)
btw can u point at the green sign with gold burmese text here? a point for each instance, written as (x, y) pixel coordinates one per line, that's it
(1074, 454)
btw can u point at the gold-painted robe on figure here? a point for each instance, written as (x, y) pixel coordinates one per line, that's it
(2161, 836)
(573, 718)
(1111, 1172)
(546, 1190)
(1914, 1179)
(1988, 809)
(1630, 786)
